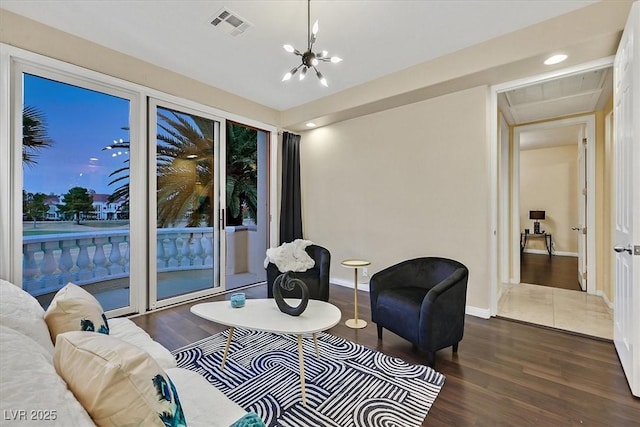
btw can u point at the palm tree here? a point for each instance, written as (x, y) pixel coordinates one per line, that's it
(121, 193)
(242, 173)
(34, 135)
(185, 169)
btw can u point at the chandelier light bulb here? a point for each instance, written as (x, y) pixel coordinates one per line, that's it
(288, 48)
(314, 30)
(314, 61)
(335, 59)
(286, 77)
(323, 81)
(303, 73)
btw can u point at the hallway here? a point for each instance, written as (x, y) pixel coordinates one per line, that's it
(574, 311)
(550, 295)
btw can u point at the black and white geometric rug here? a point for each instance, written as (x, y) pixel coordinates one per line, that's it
(349, 385)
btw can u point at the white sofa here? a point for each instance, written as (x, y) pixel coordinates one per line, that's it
(32, 392)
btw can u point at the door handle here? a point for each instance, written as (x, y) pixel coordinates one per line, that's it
(576, 228)
(620, 248)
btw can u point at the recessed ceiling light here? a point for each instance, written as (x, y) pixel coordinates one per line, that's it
(311, 125)
(555, 59)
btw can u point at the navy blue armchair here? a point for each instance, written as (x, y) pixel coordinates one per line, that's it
(316, 278)
(422, 300)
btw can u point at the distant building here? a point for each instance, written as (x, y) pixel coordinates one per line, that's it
(103, 209)
(52, 201)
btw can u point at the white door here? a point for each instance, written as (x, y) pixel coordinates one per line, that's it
(626, 81)
(582, 209)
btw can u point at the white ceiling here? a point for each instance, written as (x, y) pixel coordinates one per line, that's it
(574, 94)
(553, 137)
(374, 37)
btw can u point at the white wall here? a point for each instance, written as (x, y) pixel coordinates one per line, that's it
(549, 182)
(403, 183)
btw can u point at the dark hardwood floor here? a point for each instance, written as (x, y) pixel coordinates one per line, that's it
(504, 374)
(554, 271)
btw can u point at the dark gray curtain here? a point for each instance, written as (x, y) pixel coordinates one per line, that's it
(290, 207)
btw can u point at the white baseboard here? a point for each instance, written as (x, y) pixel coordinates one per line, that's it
(562, 253)
(484, 313)
(544, 252)
(605, 298)
(349, 284)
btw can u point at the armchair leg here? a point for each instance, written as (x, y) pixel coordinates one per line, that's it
(379, 332)
(455, 347)
(431, 359)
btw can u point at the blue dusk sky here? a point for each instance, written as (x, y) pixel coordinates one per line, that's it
(81, 123)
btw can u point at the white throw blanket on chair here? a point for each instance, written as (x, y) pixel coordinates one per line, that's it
(290, 256)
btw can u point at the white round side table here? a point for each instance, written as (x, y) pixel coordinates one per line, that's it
(355, 323)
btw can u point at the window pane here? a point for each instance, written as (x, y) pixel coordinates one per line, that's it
(187, 203)
(75, 192)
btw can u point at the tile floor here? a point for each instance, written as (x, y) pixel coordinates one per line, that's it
(559, 308)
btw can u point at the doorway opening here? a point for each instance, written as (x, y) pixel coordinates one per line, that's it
(547, 199)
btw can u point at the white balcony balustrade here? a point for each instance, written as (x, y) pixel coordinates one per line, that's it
(51, 261)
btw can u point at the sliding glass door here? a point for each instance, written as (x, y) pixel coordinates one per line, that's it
(185, 239)
(75, 214)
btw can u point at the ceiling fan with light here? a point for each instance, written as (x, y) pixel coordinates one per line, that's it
(309, 58)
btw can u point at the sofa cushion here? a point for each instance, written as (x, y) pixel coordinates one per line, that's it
(32, 393)
(117, 382)
(74, 309)
(22, 312)
(203, 404)
(128, 331)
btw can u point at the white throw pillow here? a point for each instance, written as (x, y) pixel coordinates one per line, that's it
(128, 331)
(74, 309)
(32, 392)
(118, 383)
(22, 312)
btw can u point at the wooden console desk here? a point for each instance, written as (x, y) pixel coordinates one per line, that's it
(524, 238)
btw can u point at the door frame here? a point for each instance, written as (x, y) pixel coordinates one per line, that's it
(589, 121)
(498, 226)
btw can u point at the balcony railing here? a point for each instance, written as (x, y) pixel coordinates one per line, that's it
(51, 261)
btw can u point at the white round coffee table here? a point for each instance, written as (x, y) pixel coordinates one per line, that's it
(264, 315)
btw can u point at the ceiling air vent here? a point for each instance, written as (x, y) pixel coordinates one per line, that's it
(230, 22)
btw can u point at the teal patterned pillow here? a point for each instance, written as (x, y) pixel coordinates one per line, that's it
(166, 391)
(75, 309)
(116, 382)
(249, 420)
